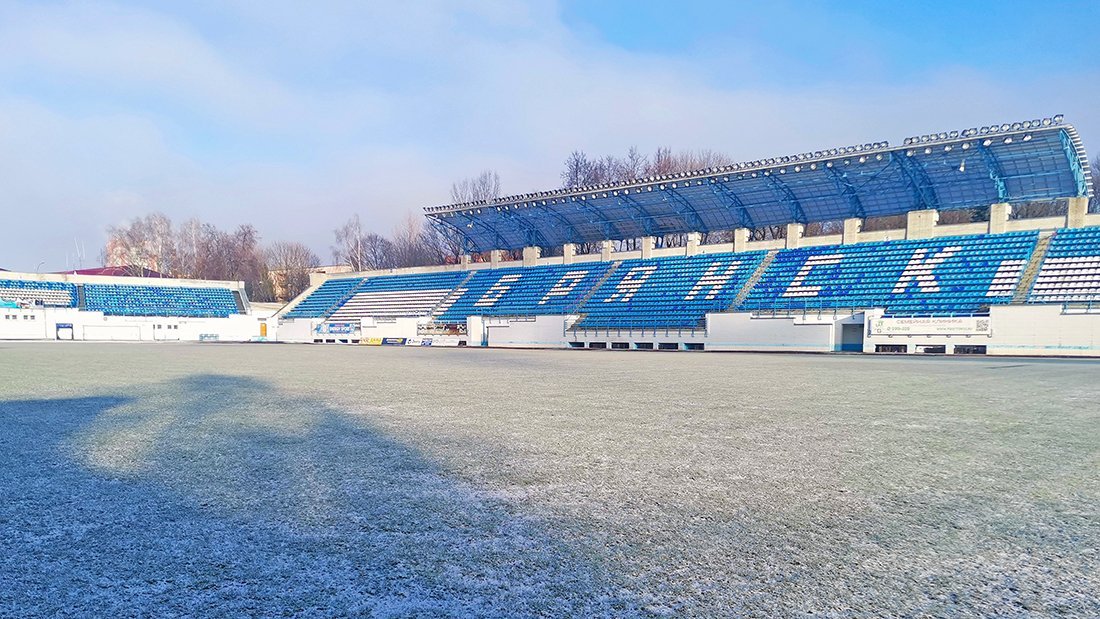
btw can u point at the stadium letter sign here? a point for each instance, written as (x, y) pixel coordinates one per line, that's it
(798, 287)
(564, 286)
(493, 294)
(714, 280)
(920, 270)
(630, 284)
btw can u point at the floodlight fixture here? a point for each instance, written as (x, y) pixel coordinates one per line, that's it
(1058, 118)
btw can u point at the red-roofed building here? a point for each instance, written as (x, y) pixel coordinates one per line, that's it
(116, 271)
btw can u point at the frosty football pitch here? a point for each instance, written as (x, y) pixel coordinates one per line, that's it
(266, 480)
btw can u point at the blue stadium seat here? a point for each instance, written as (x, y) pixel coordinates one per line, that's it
(524, 291)
(49, 294)
(182, 301)
(670, 293)
(942, 276)
(1071, 268)
(398, 295)
(325, 299)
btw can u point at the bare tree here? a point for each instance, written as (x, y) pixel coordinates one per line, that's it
(378, 252)
(349, 248)
(577, 169)
(289, 264)
(632, 166)
(441, 244)
(143, 243)
(196, 250)
(484, 186)
(445, 244)
(189, 237)
(409, 249)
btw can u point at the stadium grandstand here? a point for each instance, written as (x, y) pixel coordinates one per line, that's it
(996, 284)
(76, 306)
(999, 285)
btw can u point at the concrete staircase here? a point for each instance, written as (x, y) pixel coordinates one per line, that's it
(238, 298)
(454, 295)
(591, 291)
(1027, 279)
(752, 281)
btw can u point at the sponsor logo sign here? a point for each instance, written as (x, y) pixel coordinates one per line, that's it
(337, 328)
(962, 325)
(373, 341)
(393, 341)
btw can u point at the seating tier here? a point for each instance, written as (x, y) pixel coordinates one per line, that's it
(947, 275)
(674, 292)
(524, 291)
(325, 298)
(398, 295)
(49, 294)
(1071, 268)
(182, 301)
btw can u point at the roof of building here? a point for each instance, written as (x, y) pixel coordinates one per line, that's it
(1012, 162)
(116, 271)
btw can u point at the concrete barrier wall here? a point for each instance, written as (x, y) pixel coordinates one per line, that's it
(41, 324)
(743, 332)
(1040, 330)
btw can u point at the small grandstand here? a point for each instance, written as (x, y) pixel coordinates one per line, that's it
(995, 286)
(119, 308)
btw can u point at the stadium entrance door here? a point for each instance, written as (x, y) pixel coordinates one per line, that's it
(851, 338)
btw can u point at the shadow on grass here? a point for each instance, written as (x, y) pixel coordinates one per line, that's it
(222, 496)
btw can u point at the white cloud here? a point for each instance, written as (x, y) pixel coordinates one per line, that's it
(293, 120)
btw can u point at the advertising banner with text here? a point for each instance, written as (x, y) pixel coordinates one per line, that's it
(962, 325)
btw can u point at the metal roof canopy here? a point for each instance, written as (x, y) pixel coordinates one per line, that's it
(1014, 163)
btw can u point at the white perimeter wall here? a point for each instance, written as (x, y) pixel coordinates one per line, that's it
(727, 331)
(526, 332)
(743, 332)
(1041, 330)
(41, 324)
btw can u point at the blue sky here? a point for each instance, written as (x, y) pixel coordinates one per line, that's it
(294, 116)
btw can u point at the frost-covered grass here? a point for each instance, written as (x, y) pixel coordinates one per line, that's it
(225, 480)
